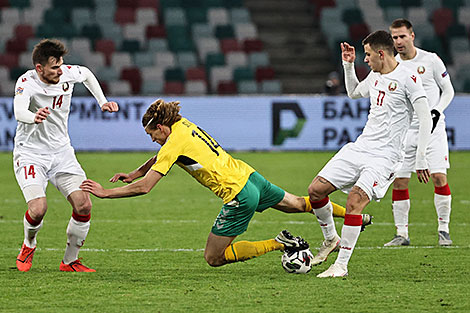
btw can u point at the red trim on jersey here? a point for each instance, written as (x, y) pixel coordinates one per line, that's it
(353, 219)
(30, 219)
(443, 191)
(81, 218)
(400, 194)
(319, 204)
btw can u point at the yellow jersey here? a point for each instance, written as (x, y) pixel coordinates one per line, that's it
(200, 155)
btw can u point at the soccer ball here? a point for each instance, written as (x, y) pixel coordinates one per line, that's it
(297, 262)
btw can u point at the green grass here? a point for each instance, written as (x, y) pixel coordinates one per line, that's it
(171, 224)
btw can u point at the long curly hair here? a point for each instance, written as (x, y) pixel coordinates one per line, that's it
(161, 112)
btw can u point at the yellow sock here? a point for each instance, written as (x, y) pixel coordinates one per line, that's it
(338, 210)
(308, 205)
(245, 250)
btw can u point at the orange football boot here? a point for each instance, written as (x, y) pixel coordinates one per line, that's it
(24, 260)
(75, 266)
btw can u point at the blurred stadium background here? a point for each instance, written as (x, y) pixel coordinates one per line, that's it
(207, 47)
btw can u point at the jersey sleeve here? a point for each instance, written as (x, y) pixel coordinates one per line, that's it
(414, 87)
(75, 72)
(439, 71)
(363, 87)
(166, 157)
(21, 101)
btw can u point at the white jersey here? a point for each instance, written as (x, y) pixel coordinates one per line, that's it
(52, 134)
(433, 72)
(391, 97)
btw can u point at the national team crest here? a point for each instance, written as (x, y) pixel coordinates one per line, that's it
(392, 86)
(19, 91)
(421, 69)
(65, 86)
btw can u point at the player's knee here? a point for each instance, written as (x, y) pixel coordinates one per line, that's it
(84, 207)
(439, 179)
(214, 260)
(37, 208)
(315, 193)
(401, 183)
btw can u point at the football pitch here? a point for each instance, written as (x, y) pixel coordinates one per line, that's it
(148, 250)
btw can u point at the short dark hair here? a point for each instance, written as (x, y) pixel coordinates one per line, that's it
(47, 48)
(380, 39)
(400, 22)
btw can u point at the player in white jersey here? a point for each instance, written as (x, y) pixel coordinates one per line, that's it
(42, 150)
(365, 168)
(439, 91)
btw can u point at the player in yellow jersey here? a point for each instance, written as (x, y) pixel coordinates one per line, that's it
(243, 190)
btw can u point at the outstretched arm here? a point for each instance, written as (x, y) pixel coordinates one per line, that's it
(348, 54)
(141, 171)
(137, 188)
(92, 84)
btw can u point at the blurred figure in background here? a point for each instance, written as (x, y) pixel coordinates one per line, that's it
(333, 84)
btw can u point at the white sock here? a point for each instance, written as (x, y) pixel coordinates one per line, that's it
(401, 210)
(325, 219)
(76, 235)
(30, 233)
(443, 208)
(349, 236)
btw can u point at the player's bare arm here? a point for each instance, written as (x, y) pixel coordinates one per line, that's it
(137, 188)
(141, 171)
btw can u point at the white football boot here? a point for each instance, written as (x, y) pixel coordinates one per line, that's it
(335, 270)
(326, 248)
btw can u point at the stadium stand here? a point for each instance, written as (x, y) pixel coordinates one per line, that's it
(197, 47)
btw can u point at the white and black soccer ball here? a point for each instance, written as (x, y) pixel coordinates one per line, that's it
(297, 262)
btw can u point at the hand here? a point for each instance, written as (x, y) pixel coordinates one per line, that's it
(41, 115)
(348, 53)
(423, 176)
(110, 107)
(435, 115)
(94, 188)
(121, 176)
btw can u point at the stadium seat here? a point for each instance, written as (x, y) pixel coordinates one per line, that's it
(82, 17)
(442, 18)
(4, 73)
(10, 16)
(155, 31)
(271, 87)
(146, 16)
(201, 30)
(242, 74)
(165, 59)
(94, 60)
(245, 31)
(228, 45)
(389, 3)
(196, 73)
(247, 87)
(107, 47)
(258, 59)
(236, 58)
(148, 4)
(358, 31)
(214, 59)
(174, 74)
(196, 15)
(124, 16)
(240, 15)
(219, 74)
(152, 87)
(418, 15)
(24, 60)
(130, 45)
(32, 16)
(456, 30)
(186, 59)
(173, 88)
(119, 88)
(132, 75)
(226, 88)
(157, 44)
(252, 45)
(144, 58)
(120, 60)
(134, 32)
(217, 16)
(264, 73)
(92, 32)
(224, 31)
(9, 60)
(463, 16)
(15, 45)
(16, 72)
(352, 16)
(207, 46)
(153, 73)
(81, 46)
(107, 74)
(195, 87)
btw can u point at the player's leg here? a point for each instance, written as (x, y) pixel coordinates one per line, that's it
(400, 209)
(357, 201)
(442, 202)
(30, 174)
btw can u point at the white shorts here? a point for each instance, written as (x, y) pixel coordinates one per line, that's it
(437, 153)
(33, 172)
(353, 167)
